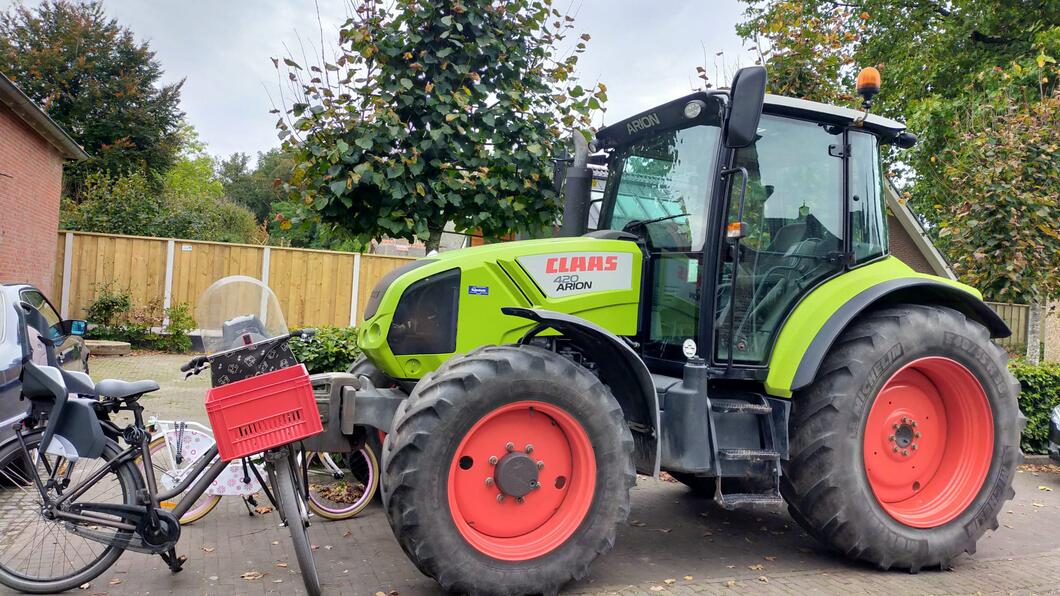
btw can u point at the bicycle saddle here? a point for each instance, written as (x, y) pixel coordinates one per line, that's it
(127, 390)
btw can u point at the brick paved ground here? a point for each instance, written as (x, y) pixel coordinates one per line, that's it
(671, 535)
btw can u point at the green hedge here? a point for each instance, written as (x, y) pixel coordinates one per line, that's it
(1040, 393)
(332, 349)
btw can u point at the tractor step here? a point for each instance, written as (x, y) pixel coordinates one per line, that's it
(734, 500)
(749, 454)
(738, 406)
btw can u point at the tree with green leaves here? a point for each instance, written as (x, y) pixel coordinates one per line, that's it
(976, 81)
(437, 112)
(256, 186)
(96, 80)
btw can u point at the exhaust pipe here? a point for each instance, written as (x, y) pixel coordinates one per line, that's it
(576, 190)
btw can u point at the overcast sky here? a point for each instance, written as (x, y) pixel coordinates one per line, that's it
(644, 51)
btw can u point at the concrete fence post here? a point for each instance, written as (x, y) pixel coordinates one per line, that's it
(1034, 333)
(1051, 332)
(355, 289)
(167, 288)
(68, 262)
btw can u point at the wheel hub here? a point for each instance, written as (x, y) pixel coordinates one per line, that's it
(928, 442)
(516, 475)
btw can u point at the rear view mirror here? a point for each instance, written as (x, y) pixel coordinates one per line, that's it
(748, 94)
(77, 327)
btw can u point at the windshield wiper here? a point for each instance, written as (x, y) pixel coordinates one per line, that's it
(645, 222)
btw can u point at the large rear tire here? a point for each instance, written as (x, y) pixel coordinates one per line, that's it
(904, 449)
(508, 472)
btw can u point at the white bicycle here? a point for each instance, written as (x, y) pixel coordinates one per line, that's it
(340, 484)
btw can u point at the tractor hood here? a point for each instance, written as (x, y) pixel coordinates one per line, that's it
(421, 314)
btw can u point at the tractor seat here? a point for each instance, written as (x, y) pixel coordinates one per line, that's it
(125, 390)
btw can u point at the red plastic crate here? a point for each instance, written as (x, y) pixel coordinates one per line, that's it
(263, 412)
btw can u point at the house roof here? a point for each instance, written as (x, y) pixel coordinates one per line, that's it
(38, 120)
(912, 226)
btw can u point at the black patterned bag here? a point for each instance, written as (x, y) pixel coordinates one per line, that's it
(250, 361)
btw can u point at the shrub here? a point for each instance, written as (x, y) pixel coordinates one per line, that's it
(113, 317)
(1040, 393)
(332, 349)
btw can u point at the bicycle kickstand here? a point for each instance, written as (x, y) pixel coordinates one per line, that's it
(249, 502)
(175, 563)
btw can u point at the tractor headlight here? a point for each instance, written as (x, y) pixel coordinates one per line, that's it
(694, 108)
(425, 319)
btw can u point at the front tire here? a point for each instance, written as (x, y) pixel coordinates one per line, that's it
(904, 449)
(508, 472)
(287, 482)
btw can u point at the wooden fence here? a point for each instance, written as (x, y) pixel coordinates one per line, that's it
(1017, 316)
(315, 287)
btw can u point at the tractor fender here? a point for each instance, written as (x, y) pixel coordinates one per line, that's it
(619, 367)
(912, 290)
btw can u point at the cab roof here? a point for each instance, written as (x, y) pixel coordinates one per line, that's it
(669, 116)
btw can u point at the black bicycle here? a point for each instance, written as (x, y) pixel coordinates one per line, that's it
(72, 499)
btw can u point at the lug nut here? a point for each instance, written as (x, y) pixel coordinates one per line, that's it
(905, 420)
(500, 497)
(509, 446)
(896, 448)
(895, 426)
(529, 449)
(535, 484)
(489, 481)
(905, 452)
(891, 438)
(493, 460)
(540, 465)
(913, 423)
(914, 446)
(519, 500)
(916, 434)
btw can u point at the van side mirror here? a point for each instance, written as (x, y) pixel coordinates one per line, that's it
(745, 110)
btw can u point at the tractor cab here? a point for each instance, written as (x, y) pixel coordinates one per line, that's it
(738, 225)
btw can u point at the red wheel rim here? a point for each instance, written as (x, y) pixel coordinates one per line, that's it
(929, 442)
(518, 529)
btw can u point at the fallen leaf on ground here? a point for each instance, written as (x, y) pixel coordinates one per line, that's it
(213, 578)
(708, 533)
(281, 564)
(85, 586)
(688, 578)
(656, 588)
(1045, 488)
(1038, 504)
(769, 558)
(730, 583)
(275, 542)
(637, 524)
(314, 547)
(347, 534)
(763, 579)
(731, 566)
(208, 549)
(252, 575)
(670, 582)
(756, 567)
(262, 509)
(380, 594)
(327, 547)
(664, 530)
(277, 581)
(115, 581)
(394, 593)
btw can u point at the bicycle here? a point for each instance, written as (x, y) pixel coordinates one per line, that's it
(72, 500)
(338, 490)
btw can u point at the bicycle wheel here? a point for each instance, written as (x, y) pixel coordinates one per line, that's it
(41, 555)
(168, 473)
(341, 485)
(287, 488)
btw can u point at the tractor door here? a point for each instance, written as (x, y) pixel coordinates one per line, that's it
(660, 189)
(793, 240)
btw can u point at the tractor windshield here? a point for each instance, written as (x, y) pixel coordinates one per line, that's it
(662, 184)
(660, 189)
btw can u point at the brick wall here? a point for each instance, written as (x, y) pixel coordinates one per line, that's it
(31, 174)
(902, 246)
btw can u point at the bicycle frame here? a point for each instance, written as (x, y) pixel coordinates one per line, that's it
(168, 428)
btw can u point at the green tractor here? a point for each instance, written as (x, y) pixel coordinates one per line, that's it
(735, 321)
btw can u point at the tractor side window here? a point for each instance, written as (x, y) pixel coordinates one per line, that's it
(794, 228)
(868, 211)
